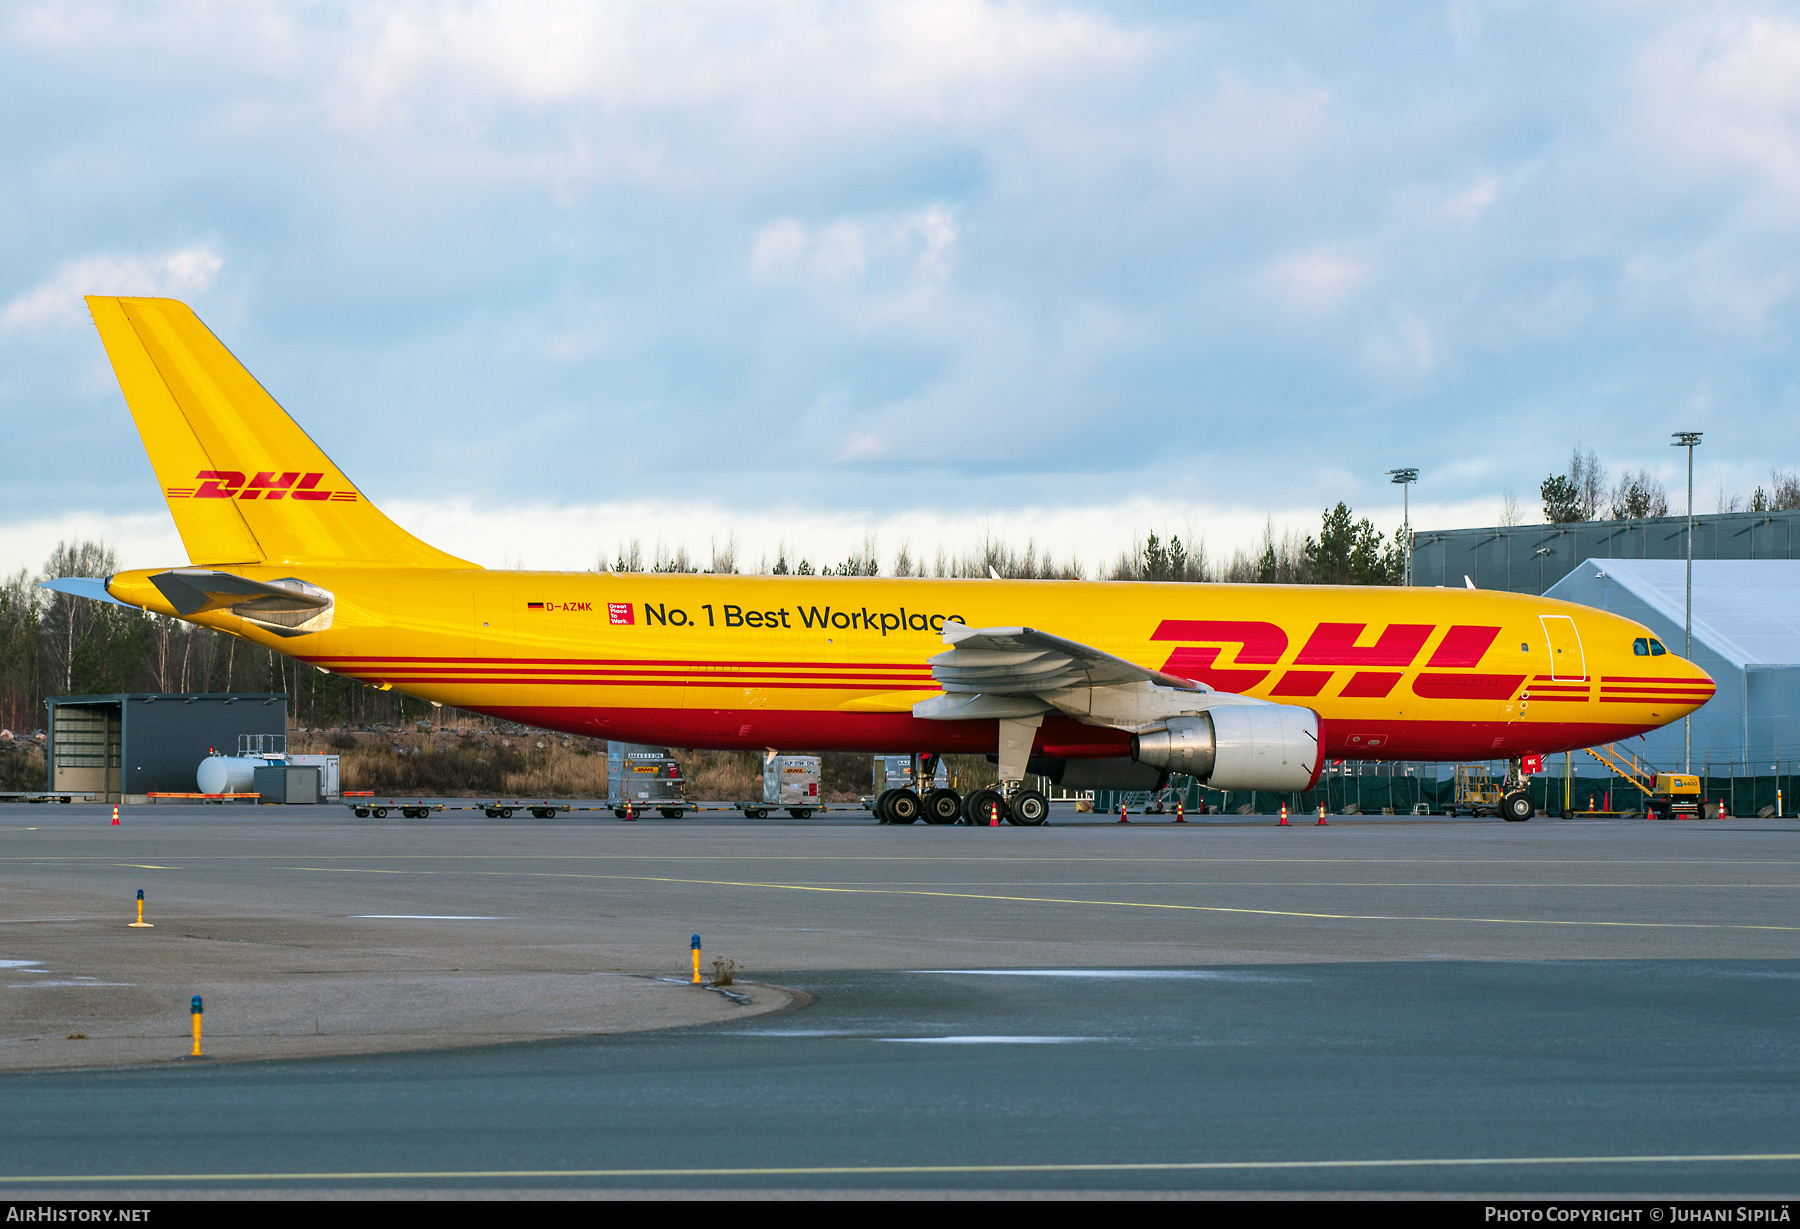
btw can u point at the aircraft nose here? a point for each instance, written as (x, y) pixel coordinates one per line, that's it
(1695, 682)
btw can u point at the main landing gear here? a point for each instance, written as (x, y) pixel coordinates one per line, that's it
(1515, 801)
(1004, 801)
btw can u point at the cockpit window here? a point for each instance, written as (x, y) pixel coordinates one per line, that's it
(1656, 648)
(1641, 646)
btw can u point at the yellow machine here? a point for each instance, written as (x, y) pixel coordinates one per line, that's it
(1101, 684)
(1667, 795)
(1476, 791)
(1676, 796)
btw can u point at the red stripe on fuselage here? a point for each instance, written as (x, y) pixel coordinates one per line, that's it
(757, 729)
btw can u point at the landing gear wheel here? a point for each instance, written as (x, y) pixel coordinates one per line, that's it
(903, 807)
(942, 806)
(1516, 807)
(980, 808)
(881, 811)
(1029, 808)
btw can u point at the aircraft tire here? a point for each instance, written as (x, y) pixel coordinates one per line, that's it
(903, 806)
(1029, 809)
(979, 806)
(880, 807)
(1516, 807)
(942, 806)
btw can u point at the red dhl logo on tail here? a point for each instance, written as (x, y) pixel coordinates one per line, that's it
(266, 484)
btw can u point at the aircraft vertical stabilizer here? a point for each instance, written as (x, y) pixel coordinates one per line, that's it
(245, 484)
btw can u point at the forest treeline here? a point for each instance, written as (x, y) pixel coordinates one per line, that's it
(56, 644)
(1347, 551)
(1582, 493)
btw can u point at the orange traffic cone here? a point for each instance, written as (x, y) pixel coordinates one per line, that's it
(1283, 822)
(1321, 823)
(993, 815)
(630, 811)
(115, 822)
(1179, 814)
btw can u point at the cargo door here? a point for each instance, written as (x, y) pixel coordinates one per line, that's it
(1566, 658)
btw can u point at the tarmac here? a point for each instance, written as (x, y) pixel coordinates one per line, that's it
(1401, 1004)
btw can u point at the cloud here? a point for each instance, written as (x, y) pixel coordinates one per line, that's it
(1468, 204)
(1316, 282)
(916, 244)
(58, 299)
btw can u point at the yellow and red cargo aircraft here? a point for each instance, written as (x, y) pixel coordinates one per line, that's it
(1244, 686)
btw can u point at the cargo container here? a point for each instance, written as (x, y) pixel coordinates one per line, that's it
(790, 783)
(645, 778)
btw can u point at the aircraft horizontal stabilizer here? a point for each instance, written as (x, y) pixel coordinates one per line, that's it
(84, 586)
(287, 607)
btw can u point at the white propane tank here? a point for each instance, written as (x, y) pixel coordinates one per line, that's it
(228, 774)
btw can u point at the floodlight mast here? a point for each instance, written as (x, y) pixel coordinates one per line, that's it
(1688, 440)
(1405, 478)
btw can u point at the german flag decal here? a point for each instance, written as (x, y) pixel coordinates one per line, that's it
(534, 605)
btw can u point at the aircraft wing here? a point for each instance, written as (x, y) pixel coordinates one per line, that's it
(1024, 661)
(1020, 673)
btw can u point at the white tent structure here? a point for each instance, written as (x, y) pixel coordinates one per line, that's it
(1746, 635)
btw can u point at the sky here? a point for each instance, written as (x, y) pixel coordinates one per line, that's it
(543, 278)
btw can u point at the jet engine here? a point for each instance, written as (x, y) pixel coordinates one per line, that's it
(1238, 746)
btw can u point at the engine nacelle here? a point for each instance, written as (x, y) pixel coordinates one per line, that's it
(1238, 746)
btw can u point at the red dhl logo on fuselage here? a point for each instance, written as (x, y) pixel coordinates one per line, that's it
(265, 484)
(1448, 673)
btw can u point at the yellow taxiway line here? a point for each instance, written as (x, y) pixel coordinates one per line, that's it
(824, 1171)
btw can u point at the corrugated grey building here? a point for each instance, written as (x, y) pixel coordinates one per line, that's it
(1532, 558)
(1746, 635)
(150, 742)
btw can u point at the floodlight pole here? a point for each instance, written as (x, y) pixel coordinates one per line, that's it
(1405, 478)
(1687, 440)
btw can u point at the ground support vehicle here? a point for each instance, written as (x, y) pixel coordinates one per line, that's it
(1667, 795)
(496, 808)
(363, 808)
(36, 796)
(790, 783)
(1476, 792)
(642, 778)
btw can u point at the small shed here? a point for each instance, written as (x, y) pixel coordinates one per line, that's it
(150, 742)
